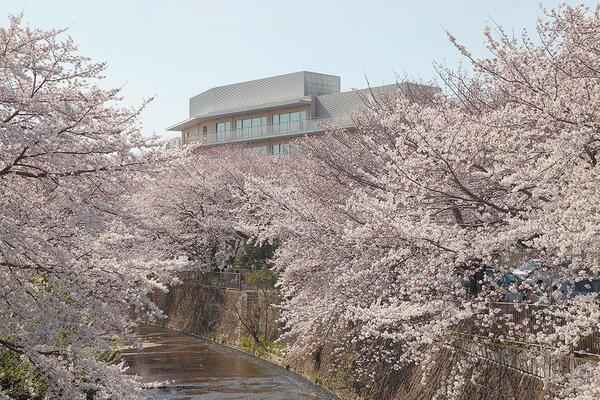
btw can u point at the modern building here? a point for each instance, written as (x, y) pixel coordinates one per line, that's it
(266, 114)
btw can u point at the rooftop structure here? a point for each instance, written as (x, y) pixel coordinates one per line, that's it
(265, 114)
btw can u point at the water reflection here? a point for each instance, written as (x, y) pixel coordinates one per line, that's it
(198, 369)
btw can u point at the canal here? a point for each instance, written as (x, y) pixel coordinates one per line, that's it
(191, 368)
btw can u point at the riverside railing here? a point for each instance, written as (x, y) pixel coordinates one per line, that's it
(268, 130)
(221, 280)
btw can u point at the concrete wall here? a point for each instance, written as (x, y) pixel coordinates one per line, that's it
(212, 312)
(494, 381)
(503, 372)
(203, 311)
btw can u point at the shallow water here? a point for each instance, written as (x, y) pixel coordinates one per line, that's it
(194, 368)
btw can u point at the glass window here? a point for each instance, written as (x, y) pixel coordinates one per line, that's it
(294, 122)
(246, 128)
(301, 124)
(289, 122)
(223, 126)
(284, 123)
(223, 131)
(250, 127)
(257, 126)
(260, 149)
(275, 126)
(238, 129)
(280, 149)
(263, 126)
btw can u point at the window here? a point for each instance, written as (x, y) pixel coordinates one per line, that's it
(295, 121)
(251, 127)
(205, 133)
(223, 131)
(260, 149)
(257, 124)
(289, 122)
(242, 128)
(281, 149)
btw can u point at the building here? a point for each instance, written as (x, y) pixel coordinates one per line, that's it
(266, 114)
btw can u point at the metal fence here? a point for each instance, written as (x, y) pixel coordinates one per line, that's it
(222, 280)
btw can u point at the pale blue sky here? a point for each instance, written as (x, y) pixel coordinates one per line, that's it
(175, 49)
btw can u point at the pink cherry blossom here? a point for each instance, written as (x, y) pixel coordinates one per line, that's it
(74, 261)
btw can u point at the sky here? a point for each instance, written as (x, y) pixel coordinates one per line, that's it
(172, 50)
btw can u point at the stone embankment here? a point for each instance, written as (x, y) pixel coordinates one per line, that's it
(227, 314)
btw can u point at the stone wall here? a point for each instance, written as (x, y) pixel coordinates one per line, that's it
(203, 311)
(503, 373)
(494, 381)
(499, 377)
(212, 312)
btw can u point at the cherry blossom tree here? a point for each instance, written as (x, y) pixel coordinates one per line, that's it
(194, 202)
(396, 238)
(72, 264)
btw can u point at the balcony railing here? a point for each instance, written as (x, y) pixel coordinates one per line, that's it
(265, 131)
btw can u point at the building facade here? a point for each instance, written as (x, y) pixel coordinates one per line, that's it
(266, 114)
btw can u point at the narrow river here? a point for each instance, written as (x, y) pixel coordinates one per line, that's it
(192, 368)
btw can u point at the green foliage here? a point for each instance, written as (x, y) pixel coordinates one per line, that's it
(252, 256)
(19, 379)
(246, 342)
(274, 347)
(263, 347)
(261, 279)
(109, 357)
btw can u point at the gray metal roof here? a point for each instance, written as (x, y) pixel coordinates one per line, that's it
(263, 91)
(351, 102)
(290, 89)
